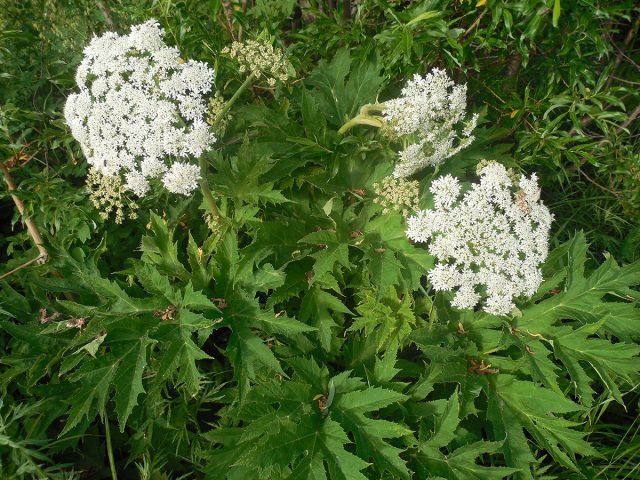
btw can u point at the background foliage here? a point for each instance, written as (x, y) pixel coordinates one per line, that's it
(301, 339)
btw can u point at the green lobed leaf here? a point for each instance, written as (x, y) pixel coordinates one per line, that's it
(515, 405)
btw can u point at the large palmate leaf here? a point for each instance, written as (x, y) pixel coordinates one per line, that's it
(461, 463)
(286, 432)
(332, 251)
(314, 448)
(326, 443)
(239, 178)
(246, 349)
(351, 408)
(613, 362)
(121, 368)
(582, 298)
(340, 97)
(388, 322)
(391, 258)
(290, 426)
(142, 331)
(517, 405)
(318, 309)
(179, 353)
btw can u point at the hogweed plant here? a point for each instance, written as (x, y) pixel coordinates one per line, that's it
(371, 308)
(490, 244)
(143, 119)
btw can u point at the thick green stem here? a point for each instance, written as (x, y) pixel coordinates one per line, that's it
(231, 101)
(112, 463)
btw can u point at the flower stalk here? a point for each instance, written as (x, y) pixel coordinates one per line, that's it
(227, 106)
(204, 183)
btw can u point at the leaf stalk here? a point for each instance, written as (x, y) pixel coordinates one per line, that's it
(112, 463)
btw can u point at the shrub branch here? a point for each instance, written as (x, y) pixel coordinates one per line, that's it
(34, 233)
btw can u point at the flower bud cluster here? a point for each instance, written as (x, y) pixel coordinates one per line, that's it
(397, 194)
(431, 113)
(490, 243)
(109, 195)
(259, 58)
(140, 106)
(217, 113)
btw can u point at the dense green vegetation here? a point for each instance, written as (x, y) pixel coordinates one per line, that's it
(297, 335)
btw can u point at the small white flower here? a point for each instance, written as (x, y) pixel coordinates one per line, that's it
(498, 304)
(152, 167)
(445, 191)
(466, 297)
(137, 183)
(494, 177)
(421, 226)
(412, 158)
(444, 277)
(181, 178)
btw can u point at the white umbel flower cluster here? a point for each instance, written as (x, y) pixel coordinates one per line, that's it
(430, 112)
(140, 108)
(490, 243)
